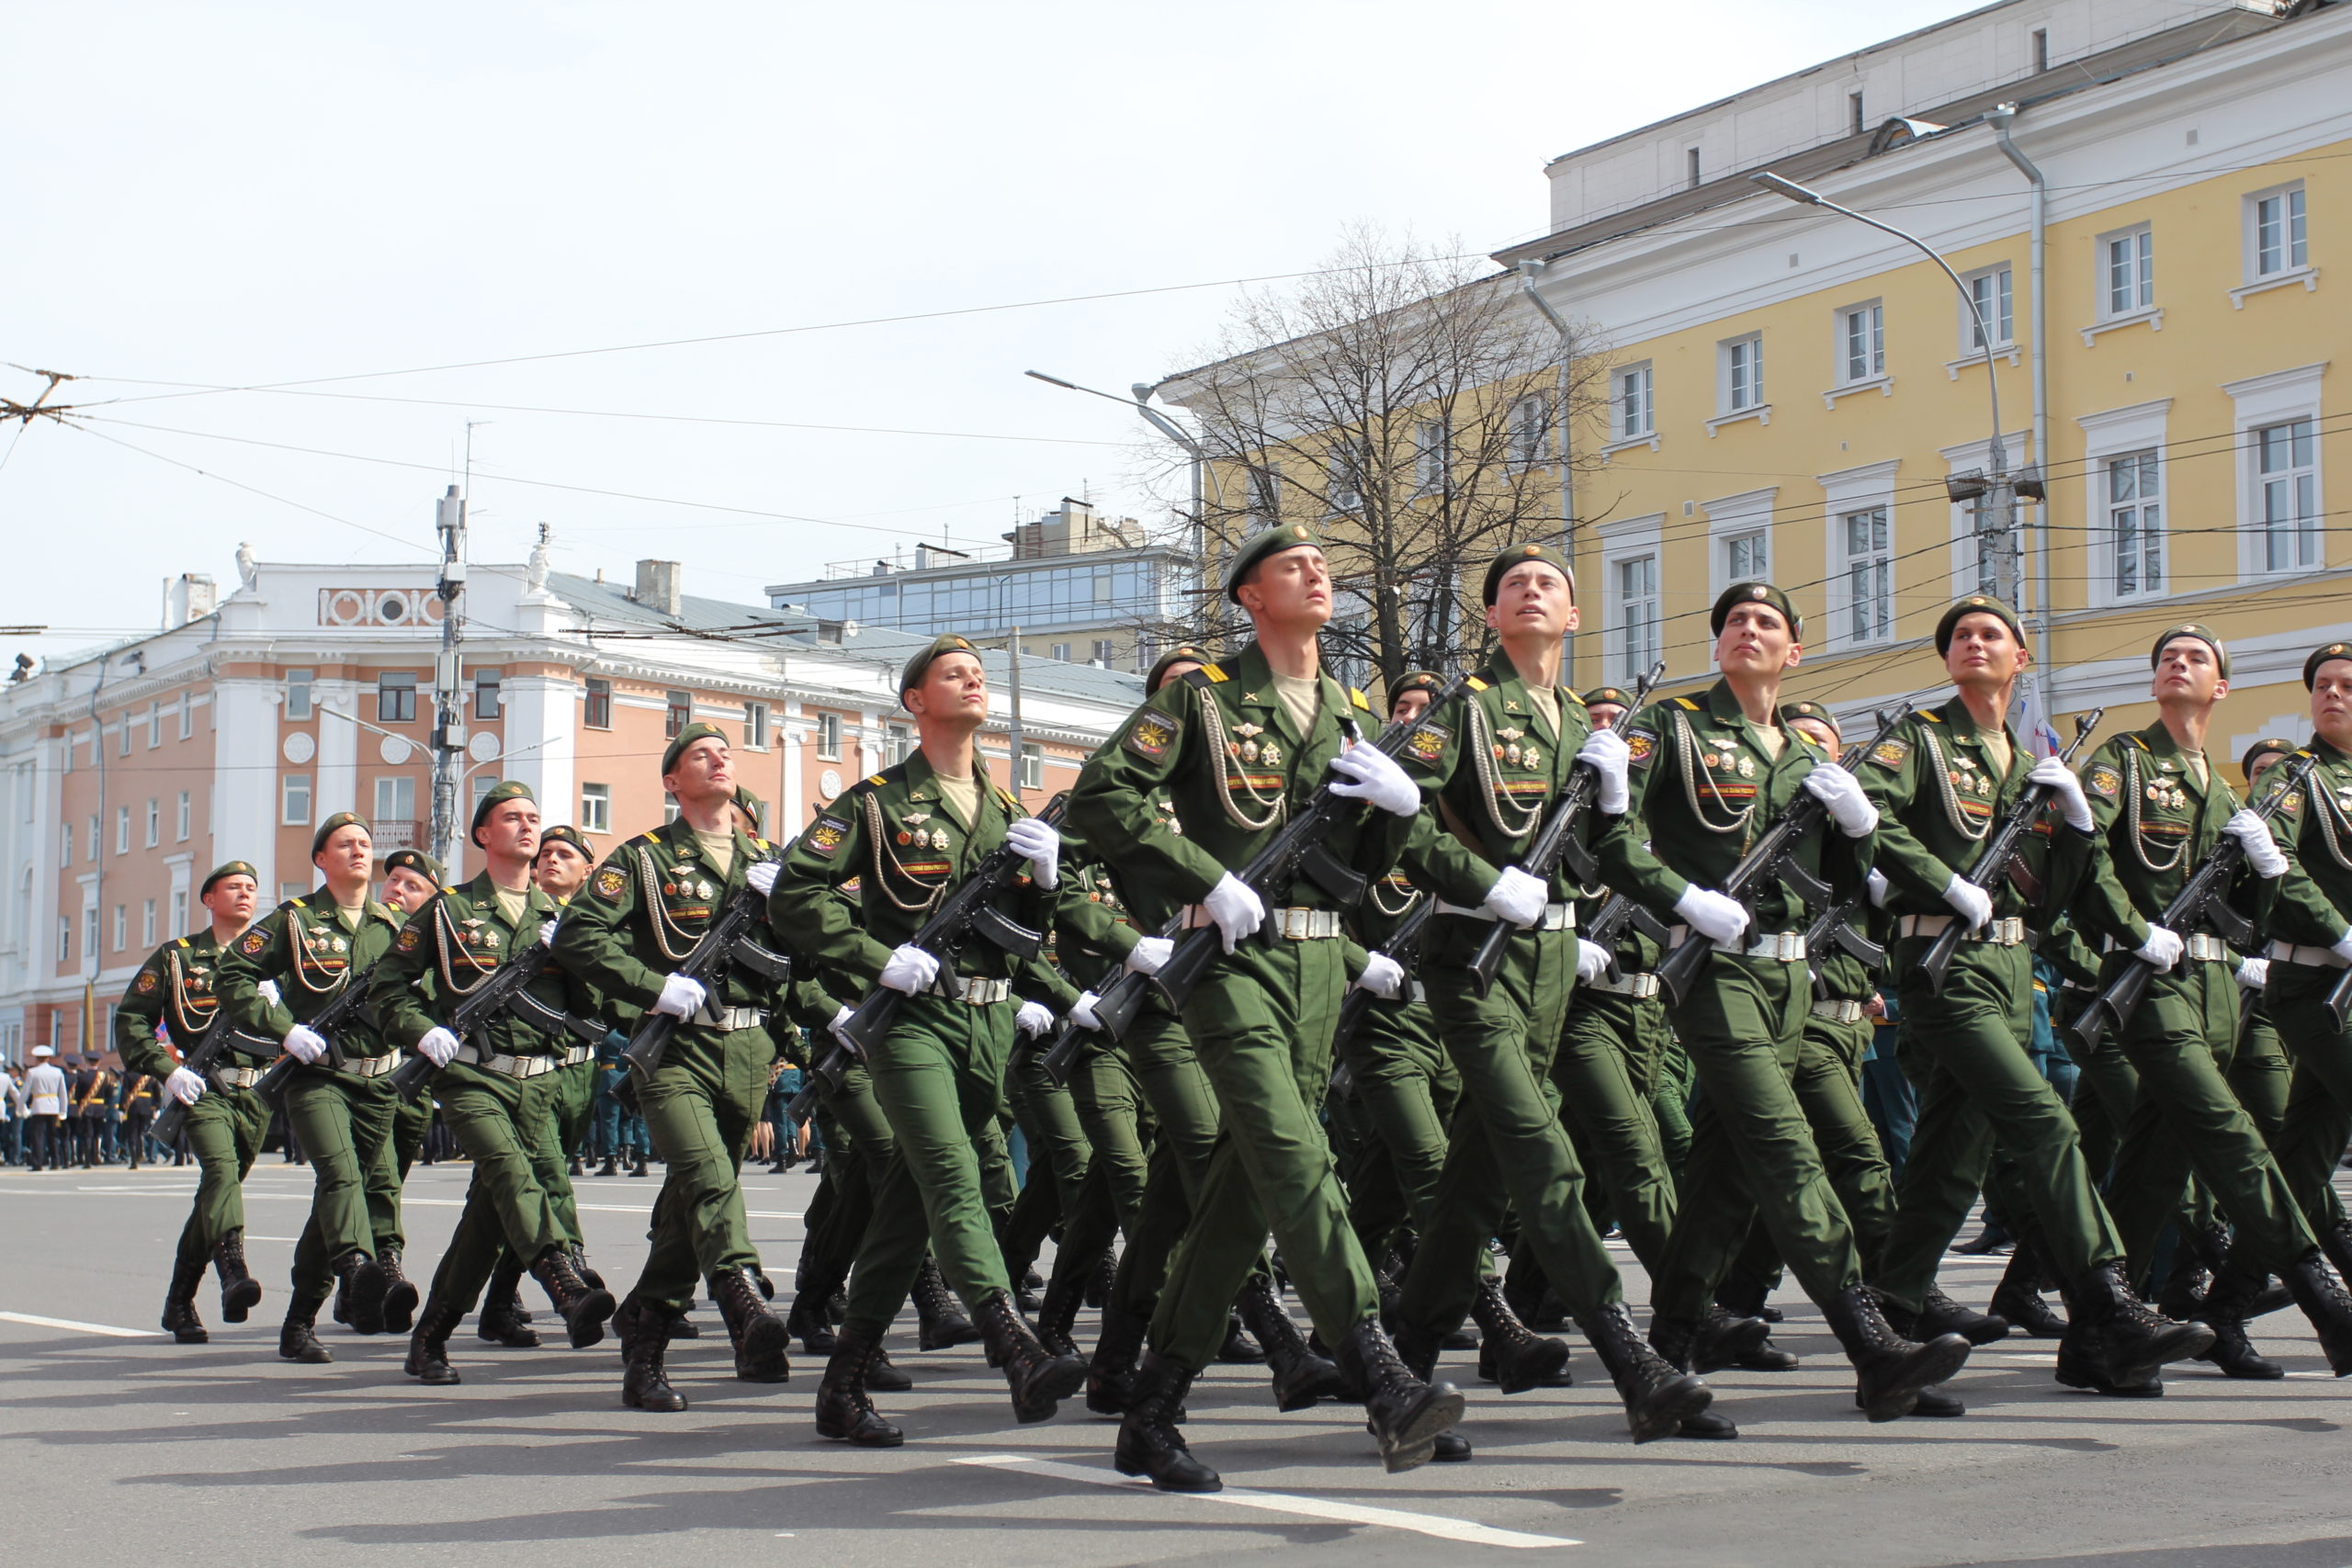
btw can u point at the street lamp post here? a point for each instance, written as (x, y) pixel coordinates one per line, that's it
(1140, 402)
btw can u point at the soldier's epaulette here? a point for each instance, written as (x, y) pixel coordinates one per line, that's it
(1930, 716)
(1687, 703)
(2143, 746)
(645, 838)
(1566, 695)
(1359, 699)
(182, 942)
(296, 904)
(873, 778)
(1201, 679)
(1005, 797)
(758, 842)
(1213, 674)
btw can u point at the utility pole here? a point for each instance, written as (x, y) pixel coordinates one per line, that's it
(448, 695)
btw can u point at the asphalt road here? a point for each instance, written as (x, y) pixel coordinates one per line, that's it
(116, 1442)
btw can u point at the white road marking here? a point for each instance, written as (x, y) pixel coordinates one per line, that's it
(1435, 1525)
(108, 1329)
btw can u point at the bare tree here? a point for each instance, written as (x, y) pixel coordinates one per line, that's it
(1408, 403)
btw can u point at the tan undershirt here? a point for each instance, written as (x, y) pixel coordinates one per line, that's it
(351, 914)
(1301, 698)
(2195, 762)
(717, 847)
(1996, 750)
(963, 794)
(1548, 699)
(511, 904)
(1771, 738)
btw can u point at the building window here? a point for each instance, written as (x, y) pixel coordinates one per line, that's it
(1861, 342)
(1990, 292)
(1869, 575)
(147, 923)
(94, 831)
(180, 818)
(486, 694)
(1747, 560)
(1429, 456)
(2287, 471)
(396, 697)
(294, 799)
(2041, 49)
(1060, 650)
(1104, 652)
(154, 823)
(1530, 430)
(1344, 489)
(2128, 272)
(64, 940)
(179, 910)
(396, 801)
(122, 927)
(2135, 524)
(2275, 237)
(1266, 491)
(154, 726)
(897, 740)
(678, 711)
(755, 727)
(122, 829)
(1691, 172)
(1743, 374)
(297, 693)
(187, 716)
(1637, 617)
(599, 714)
(1855, 123)
(1032, 767)
(122, 735)
(828, 736)
(595, 808)
(1630, 408)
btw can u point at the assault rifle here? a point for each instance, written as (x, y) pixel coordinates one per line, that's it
(504, 991)
(210, 1046)
(349, 1004)
(2000, 853)
(970, 911)
(1835, 927)
(2203, 898)
(726, 941)
(1404, 946)
(1609, 924)
(1557, 841)
(1772, 860)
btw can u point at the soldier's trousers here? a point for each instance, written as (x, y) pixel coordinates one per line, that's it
(1753, 1155)
(411, 1124)
(1174, 1083)
(1262, 1019)
(2260, 1074)
(939, 1078)
(502, 1124)
(1117, 1120)
(1406, 1090)
(2185, 1118)
(345, 1127)
(1605, 1098)
(225, 1129)
(1983, 1088)
(1508, 1146)
(564, 1099)
(855, 1165)
(2319, 1104)
(699, 1111)
(1059, 1158)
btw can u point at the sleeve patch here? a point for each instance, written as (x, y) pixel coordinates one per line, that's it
(2290, 803)
(2105, 782)
(611, 882)
(407, 939)
(1640, 746)
(252, 943)
(1890, 753)
(1428, 743)
(1149, 736)
(147, 982)
(825, 835)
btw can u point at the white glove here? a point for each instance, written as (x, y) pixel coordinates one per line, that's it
(1976, 904)
(1875, 884)
(1517, 897)
(304, 1044)
(2343, 948)
(268, 988)
(682, 996)
(1237, 910)
(438, 1046)
(840, 1016)
(1150, 952)
(2254, 973)
(2262, 851)
(2163, 947)
(1592, 962)
(1842, 793)
(911, 969)
(1037, 844)
(546, 934)
(1383, 975)
(1712, 915)
(1605, 752)
(1366, 772)
(2066, 789)
(1083, 1013)
(1035, 1018)
(761, 876)
(184, 1085)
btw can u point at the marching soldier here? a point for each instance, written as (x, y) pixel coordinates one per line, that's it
(2261, 1076)
(560, 870)
(338, 1101)
(170, 1005)
(484, 1083)
(642, 913)
(907, 835)
(411, 879)
(1237, 746)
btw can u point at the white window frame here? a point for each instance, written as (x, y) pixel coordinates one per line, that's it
(1621, 543)
(2113, 433)
(2291, 270)
(1059, 651)
(122, 927)
(756, 726)
(2002, 317)
(595, 808)
(2105, 318)
(1033, 766)
(1105, 650)
(1869, 320)
(293, 788)
(2138, 294)
(2278, 397)
(1633, 405)
(154, 820)
(1431, 448)
(1730, 379)
(185, 818)
(1736, 516)
(147, 922)
(122, 829)
(1844, 493)
(828, 738)
(155, 725)
(179, 910)
(1531, 431)
(388, 793)
(187, 716)
(1343, 476)
(301, 701)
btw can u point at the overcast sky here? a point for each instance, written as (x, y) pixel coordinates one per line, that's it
(241, 195)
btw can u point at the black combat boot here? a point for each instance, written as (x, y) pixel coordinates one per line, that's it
(583, 1309)
(579, 1255)
(1149, 1443)
(1891, 1370)
(240, 1291)
(681, 1325)
(1932, 1402)
(1511, 1354)
(881, 1377)
(2226, 1306)
(644, 1334)
(2322, 1296)
(805, 1321)
(1300, 1376)
(1039, 1378)
(1406, 1414)
(761, 1339)
(179, 1306)
(502, 1320)
(1672, 1339)
(1238, 1349)
(400, 1295)
(1724, 1338)
(297, 1337)
(608, 1168)
(1058, 1313)
(1111, 1374)
(1941, 1315)
(2182, 1296)
(428, 1347)
(1659, 1396)
(2118, 1338)
(365, 1281)
(572, 1168)
(1102, 1280)
(2017, 1298)
(843, 1412)
(940, 1321)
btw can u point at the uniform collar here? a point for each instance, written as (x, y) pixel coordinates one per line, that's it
(483, 893)
(1963, 727)
(923, 784)
(1255, 677)
(2161, 744)
(679, 834)
(1512, 687)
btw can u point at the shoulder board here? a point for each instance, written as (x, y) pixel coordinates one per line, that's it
(1005, 797)
(895, 774)
(758, 842)
(1207, 675)
(1566, 695)
(873, 778)
(1474, 683)
(1928, 715)
(1687, 704)
(296, 904)
(1359, 699)
(2140, 743)
(182, 942)
(645, 838)
(1213, 674)
(447, 890)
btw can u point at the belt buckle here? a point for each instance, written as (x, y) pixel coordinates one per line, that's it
(1297, 923)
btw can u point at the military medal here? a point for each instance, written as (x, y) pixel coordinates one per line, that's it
(1272, 755)
(489, 939)
(1532, 756)
(1511, 753)
(1748, 767)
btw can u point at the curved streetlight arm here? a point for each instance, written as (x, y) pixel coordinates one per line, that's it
(1152, 416)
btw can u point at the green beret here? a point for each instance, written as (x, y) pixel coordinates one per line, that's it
(417, 861)
(2260, 749)
(2320, 657)
(1416, 681)
(1187, 654)
(687, 738)
(1518, 552)
(327, 830)
(2203, 634)
(1975, 604)
(1258, 546)
(911, 676)
(1617, 694)
(497, 795)
(750, 805)
(1812, 711)
(1760, 593)
(229, 868)
(565, 833)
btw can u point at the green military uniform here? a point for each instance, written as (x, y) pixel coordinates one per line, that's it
(1403, 1084)
(1941, 788)
(1606, 1071)
(860, 1149)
